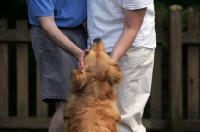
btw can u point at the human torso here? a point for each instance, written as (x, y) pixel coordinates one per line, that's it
(105, 21)
(67, 13)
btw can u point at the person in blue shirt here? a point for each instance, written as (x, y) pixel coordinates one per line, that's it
(59, 45)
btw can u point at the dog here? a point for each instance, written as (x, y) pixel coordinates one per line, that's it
(92, 105)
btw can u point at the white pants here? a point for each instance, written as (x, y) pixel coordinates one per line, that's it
(133, 92)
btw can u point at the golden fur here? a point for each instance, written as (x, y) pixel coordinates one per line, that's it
(92, 106)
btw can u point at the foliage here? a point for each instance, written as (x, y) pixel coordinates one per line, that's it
(164, 5)
(13, 10)
(184, 3)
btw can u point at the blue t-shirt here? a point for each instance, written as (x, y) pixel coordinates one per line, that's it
(67, 13)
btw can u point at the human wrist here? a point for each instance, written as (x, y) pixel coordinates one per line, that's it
(78, 53)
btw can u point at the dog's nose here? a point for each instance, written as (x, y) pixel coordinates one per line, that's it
(97, 40)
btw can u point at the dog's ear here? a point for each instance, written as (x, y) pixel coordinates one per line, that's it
(113, 74)
(78, 80)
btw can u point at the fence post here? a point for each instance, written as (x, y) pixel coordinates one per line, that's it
(175, 67)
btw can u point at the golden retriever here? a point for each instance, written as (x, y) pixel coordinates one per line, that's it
(92, 105)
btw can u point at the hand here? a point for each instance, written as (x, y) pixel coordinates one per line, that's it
(81, 58)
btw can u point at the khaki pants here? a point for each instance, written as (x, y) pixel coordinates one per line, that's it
(133, 92)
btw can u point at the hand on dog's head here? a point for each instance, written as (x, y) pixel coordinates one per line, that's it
(98, 66)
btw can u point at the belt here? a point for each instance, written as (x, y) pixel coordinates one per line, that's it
(72, 28)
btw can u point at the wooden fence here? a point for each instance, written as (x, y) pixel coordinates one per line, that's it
(183, 47)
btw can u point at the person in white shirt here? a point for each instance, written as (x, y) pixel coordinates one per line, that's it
(127, 27)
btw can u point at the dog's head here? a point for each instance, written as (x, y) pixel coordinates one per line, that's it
(98, 66)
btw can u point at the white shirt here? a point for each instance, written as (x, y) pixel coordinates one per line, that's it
(105, 20)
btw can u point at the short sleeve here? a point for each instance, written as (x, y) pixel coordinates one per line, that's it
(41, 7)
(135, 4)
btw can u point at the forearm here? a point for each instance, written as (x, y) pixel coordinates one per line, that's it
(123, 44)
(57, 37)
(133, 20)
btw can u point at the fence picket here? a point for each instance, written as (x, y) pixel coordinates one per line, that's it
(156, 92)
(22, 75)
(3, 74)
(22, 80)
(193, 67)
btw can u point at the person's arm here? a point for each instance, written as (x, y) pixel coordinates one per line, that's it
(133, 20)
(56, 36)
